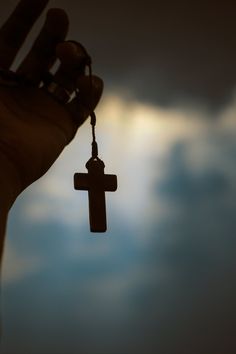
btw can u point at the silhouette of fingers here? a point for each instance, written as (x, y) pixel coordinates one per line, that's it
(73, 58)
(71, 76)
(17, 27)
(43, 53)
(90, 92)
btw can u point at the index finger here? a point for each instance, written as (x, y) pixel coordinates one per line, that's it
(17, 27)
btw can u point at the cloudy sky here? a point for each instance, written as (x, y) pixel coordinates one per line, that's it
(162, 279)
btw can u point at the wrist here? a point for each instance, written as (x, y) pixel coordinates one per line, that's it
(10, 184)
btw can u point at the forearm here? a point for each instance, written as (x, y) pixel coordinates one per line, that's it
(10, 188)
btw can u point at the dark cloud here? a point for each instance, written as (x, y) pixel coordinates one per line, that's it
(196, 246)
(160, 52)
(163, 51)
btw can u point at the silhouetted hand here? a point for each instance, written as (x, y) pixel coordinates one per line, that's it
(34, 126)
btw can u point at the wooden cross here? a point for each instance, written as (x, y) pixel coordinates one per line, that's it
(96, 183)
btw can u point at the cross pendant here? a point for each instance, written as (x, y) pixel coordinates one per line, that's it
(96, 183)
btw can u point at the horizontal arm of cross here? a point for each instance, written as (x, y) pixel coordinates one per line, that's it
(110, 183)
(82, 182)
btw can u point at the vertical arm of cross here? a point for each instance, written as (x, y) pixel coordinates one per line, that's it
(96, 183)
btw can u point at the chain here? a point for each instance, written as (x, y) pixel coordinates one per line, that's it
(94, 143)
(93, 117)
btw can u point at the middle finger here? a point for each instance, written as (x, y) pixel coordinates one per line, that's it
(42, 55)
(17, 27)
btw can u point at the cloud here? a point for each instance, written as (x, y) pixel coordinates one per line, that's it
(163, 278)
(195, 241)
(18, 265)
(130, 136)
(182, 182)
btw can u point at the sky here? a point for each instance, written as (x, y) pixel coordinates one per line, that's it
(162, 279)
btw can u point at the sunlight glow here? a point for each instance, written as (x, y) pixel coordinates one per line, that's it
(135, 141)
(131, 136)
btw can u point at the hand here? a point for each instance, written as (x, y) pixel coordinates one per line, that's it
(34, 127)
